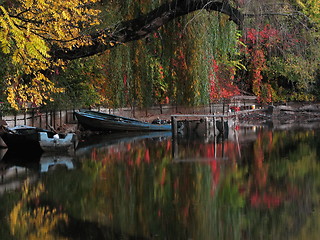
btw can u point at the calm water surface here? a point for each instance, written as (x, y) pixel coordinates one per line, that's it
(256, 184)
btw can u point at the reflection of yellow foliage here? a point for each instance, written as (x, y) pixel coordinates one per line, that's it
(38, 223)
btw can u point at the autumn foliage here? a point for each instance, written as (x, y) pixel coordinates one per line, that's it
(259, 43)
(221, 79)
(188, 60)
(28, 29)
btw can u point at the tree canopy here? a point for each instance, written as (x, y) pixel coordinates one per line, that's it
(27, 30)
(38, 37)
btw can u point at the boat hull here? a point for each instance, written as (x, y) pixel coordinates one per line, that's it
(97, 121)
(27, 139)
(50, 143)
(24, 139)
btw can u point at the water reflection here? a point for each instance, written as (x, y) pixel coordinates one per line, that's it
(256, 184)
(16, 167)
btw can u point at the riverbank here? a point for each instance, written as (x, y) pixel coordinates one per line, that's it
(276, 115)
(293, 115)
(282, 114)
(286, 113)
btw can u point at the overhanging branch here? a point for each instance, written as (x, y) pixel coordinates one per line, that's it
(144, 25)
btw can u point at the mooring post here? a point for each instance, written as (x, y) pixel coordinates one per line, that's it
(60, 116)
(32, 117)
(40, 119)
(206, 122)
(46, 119)
(174, 126)
(222, 126)
(214, 125)
(189, 127)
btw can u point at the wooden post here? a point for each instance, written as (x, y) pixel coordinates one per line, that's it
(46, 119)
(214, 126)
(175, 148)
(206, 122)
(174, 126)
(40, 120)
(188, 125)
(66, 116)
(222, 120)
(32, 117)
(223, 103)
(53, 118)
(60, 117)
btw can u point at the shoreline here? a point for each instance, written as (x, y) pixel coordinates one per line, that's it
(299, 114)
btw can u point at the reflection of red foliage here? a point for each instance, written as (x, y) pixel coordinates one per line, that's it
(138, 158)
(262, 193)
(210, 151)
(260, 173)
(147, 156)
(186, 210)
(215, 169)
(215, 152)
(128, 147)
(265, 200)
(168, 145)
(94, 154)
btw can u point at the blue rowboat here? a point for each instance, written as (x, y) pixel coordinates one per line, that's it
(98, 121)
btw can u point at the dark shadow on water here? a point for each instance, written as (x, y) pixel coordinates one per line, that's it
(23, 159)
(86, 230)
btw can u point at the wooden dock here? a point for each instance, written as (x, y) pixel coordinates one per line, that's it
(204, 124)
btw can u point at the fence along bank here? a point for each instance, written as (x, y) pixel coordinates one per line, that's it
(56, 118)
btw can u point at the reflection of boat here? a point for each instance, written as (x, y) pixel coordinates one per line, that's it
(29, 159)
(50, 161)
(27, 138)
(11, 178)
(111, 139)
(14, 169)
(94, 120)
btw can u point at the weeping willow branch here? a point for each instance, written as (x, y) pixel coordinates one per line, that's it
(142, 26)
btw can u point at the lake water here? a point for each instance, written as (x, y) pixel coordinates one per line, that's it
(259, 183)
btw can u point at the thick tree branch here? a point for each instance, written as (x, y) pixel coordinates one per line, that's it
(144, 25)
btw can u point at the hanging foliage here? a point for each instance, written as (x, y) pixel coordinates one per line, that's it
(222, 82)
(258, 45)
